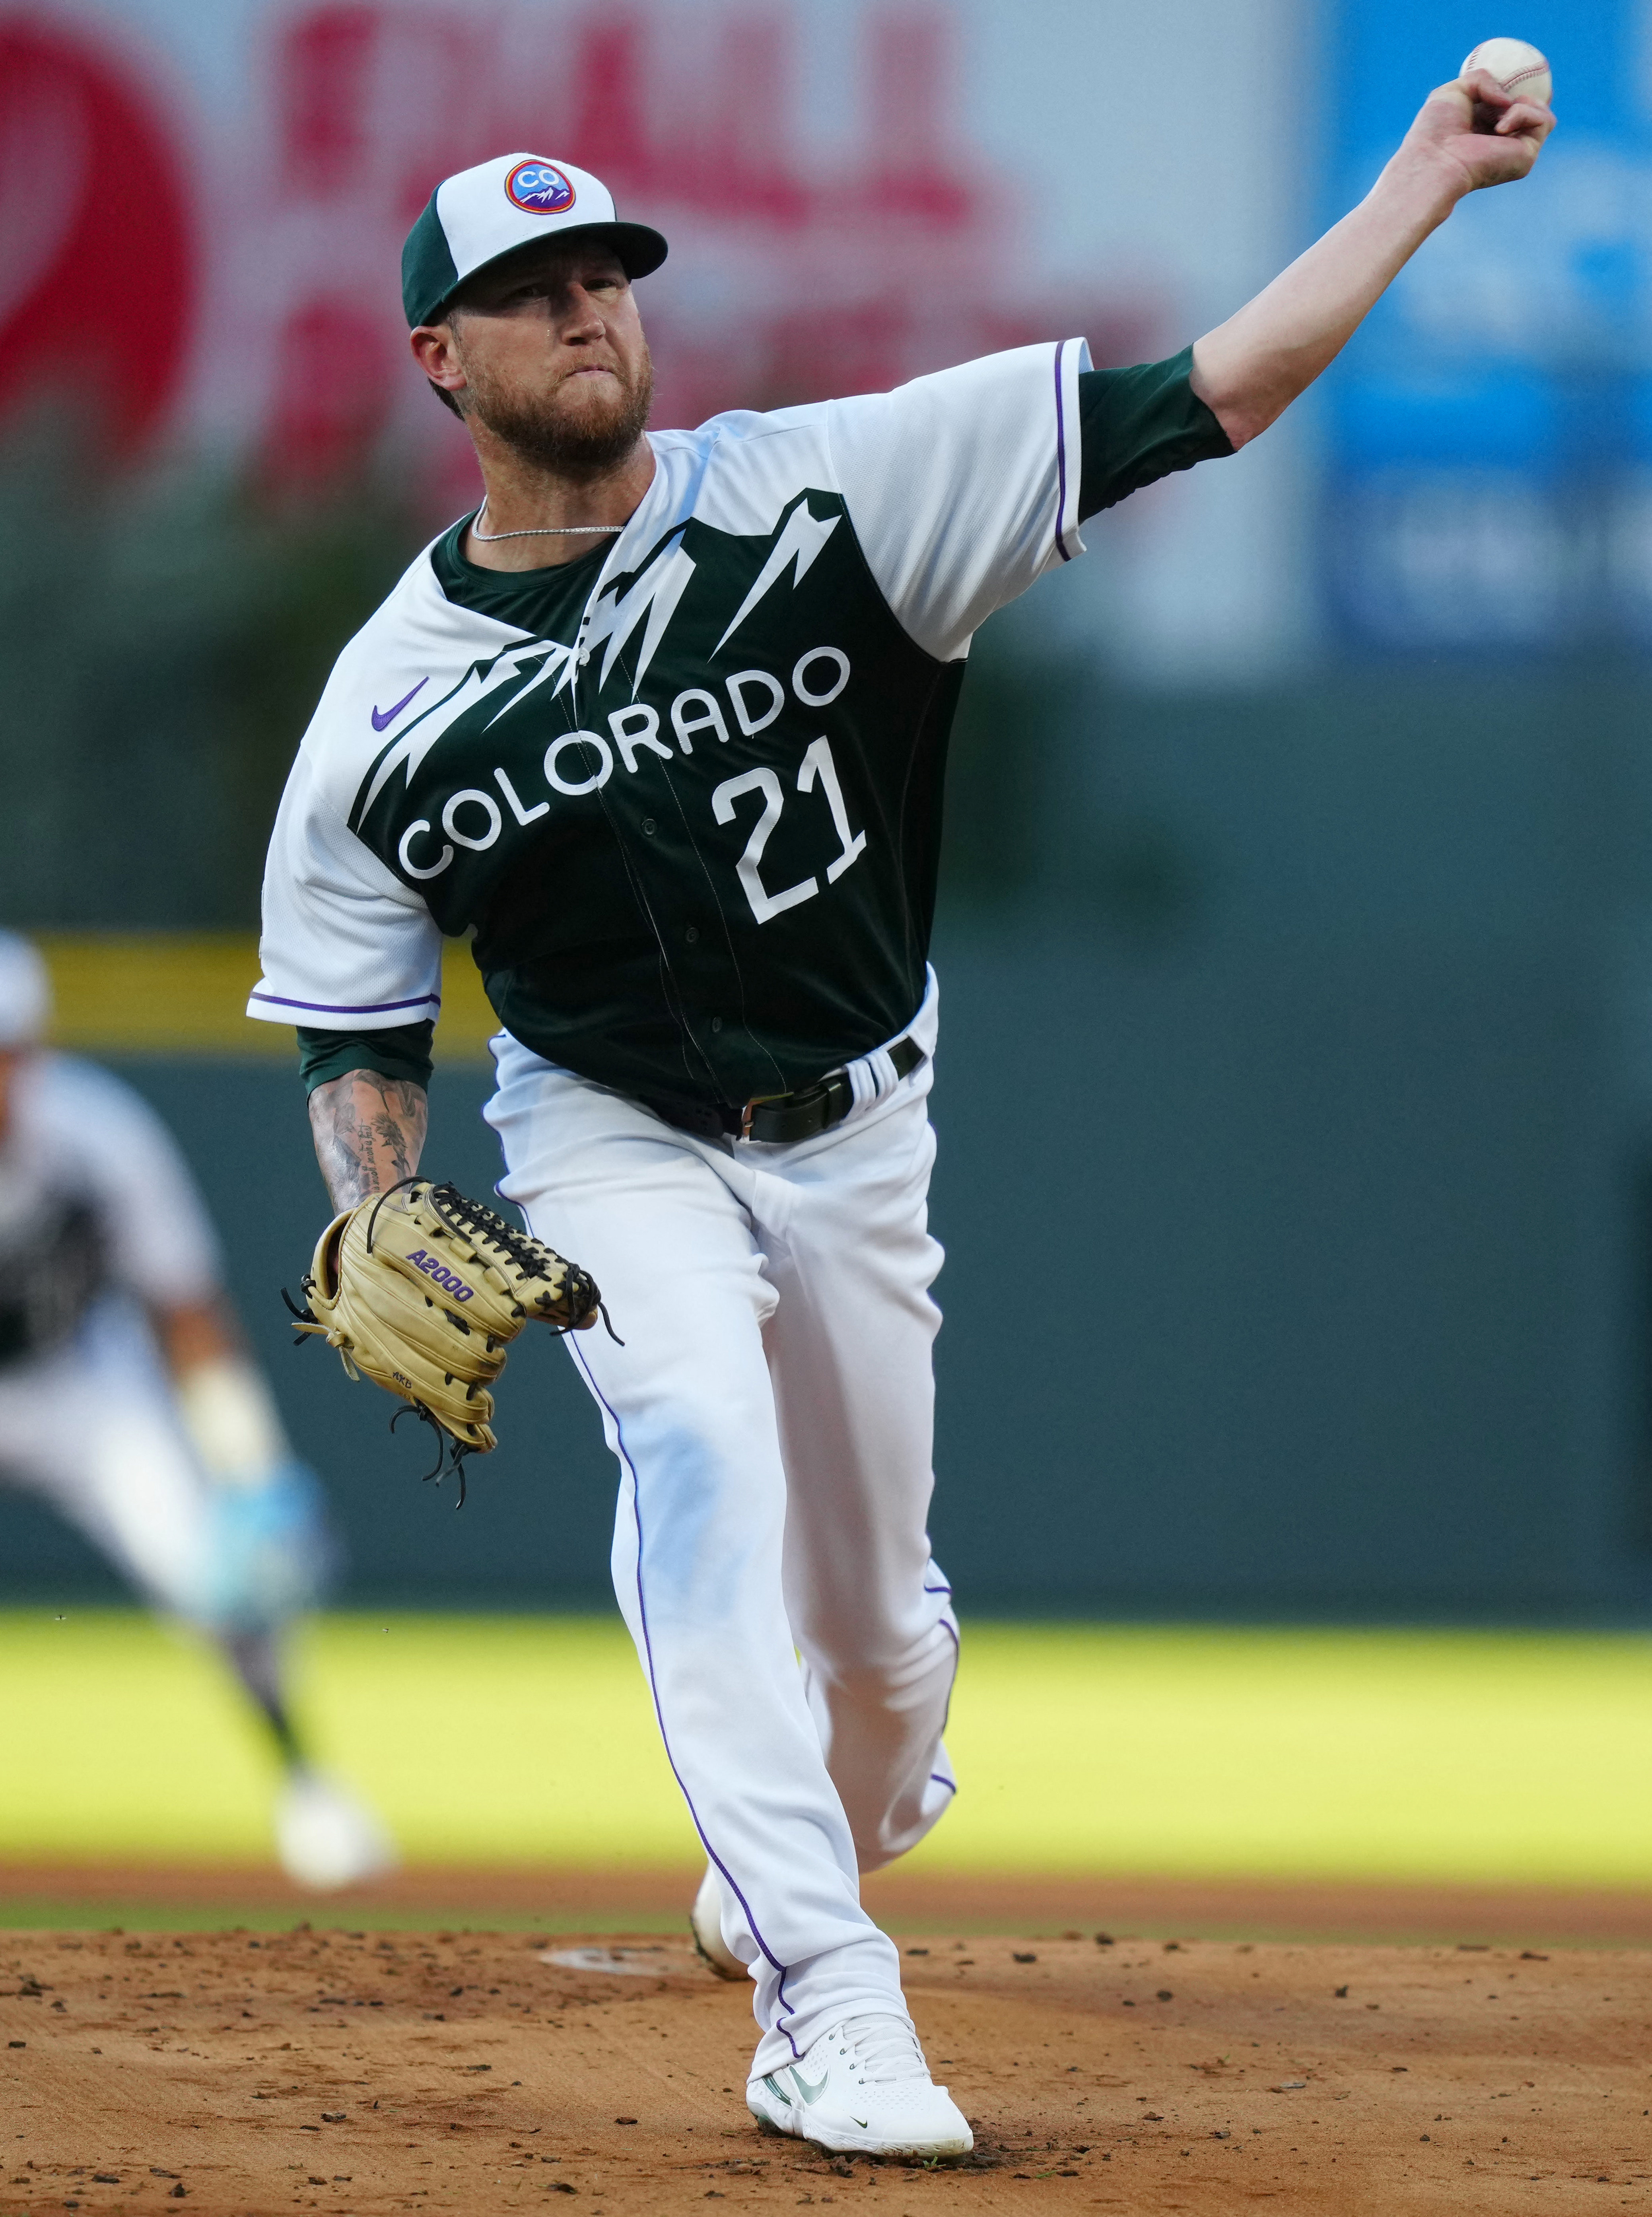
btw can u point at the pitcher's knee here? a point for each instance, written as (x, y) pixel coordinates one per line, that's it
(890, 1675)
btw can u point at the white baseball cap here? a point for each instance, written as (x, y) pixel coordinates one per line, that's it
(25, 992)
(479, 216)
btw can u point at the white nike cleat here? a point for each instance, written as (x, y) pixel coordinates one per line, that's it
(325, 1838)
(706, 1923)
(864, 2089)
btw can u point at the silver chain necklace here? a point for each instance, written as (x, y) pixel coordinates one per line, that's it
(544, 531)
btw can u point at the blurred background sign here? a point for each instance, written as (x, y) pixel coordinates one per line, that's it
(855, 193)
(1489, 442)
(240, 284)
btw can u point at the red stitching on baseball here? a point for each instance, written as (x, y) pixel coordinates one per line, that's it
(1508, 84)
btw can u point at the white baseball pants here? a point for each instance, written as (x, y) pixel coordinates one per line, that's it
(771, 1414)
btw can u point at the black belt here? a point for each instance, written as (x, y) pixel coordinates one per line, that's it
(776, 1119)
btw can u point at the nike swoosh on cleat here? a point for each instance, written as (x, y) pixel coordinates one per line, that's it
(808, 2093)
(383, 718)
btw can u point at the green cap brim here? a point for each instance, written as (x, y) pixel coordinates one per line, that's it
(429, 278)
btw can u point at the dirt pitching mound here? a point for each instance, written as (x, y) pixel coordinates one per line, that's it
(251, 2073)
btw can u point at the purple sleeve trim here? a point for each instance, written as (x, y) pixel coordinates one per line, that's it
(938, 1778)
(1061, 457)
(348, 1008)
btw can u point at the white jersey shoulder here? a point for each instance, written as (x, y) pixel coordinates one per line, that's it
(402, 660)
(346, 944)
(962, 486)
(77, 1133)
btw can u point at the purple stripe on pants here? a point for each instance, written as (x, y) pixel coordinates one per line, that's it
(773, 1959)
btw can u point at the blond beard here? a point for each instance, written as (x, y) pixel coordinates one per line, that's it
(530, 425)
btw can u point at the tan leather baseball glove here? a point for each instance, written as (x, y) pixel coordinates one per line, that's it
(423, 1290)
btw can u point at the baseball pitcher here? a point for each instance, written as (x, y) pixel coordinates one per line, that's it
(128, 1403)
(663, 724)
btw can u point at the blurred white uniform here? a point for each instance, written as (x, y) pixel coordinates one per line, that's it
(99, 1220)
(184, 1479)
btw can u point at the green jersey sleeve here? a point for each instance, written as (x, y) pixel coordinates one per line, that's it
(402, 1052)
(1140, 425)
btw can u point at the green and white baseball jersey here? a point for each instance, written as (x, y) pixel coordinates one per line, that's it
(685, 791)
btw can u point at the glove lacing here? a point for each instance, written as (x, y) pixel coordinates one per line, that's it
(485, 1228)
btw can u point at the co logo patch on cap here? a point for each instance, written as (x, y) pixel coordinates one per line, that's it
(539, 189)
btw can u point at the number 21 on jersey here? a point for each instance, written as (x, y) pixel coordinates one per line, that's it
(816, 766)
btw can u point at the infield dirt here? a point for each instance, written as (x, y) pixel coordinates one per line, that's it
(244, 2073)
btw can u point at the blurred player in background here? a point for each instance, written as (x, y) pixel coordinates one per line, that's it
(127, 1404)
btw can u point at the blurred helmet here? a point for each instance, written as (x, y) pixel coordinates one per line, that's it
(481, 215)
(25, 992)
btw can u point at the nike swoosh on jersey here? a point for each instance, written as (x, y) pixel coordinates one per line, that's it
(383, 718)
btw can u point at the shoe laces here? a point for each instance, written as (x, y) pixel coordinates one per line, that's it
(885, 2049)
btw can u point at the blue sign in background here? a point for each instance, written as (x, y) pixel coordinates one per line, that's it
(1491, 428)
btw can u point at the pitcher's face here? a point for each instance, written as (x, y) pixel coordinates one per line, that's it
(547, 352)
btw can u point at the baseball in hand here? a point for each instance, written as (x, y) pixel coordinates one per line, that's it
(1517, 67)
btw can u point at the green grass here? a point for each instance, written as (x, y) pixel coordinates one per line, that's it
(1375, 1754)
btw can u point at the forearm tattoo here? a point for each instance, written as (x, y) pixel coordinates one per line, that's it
(369, 1133)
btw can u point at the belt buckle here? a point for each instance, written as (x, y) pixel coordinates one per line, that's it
(757, 1100)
